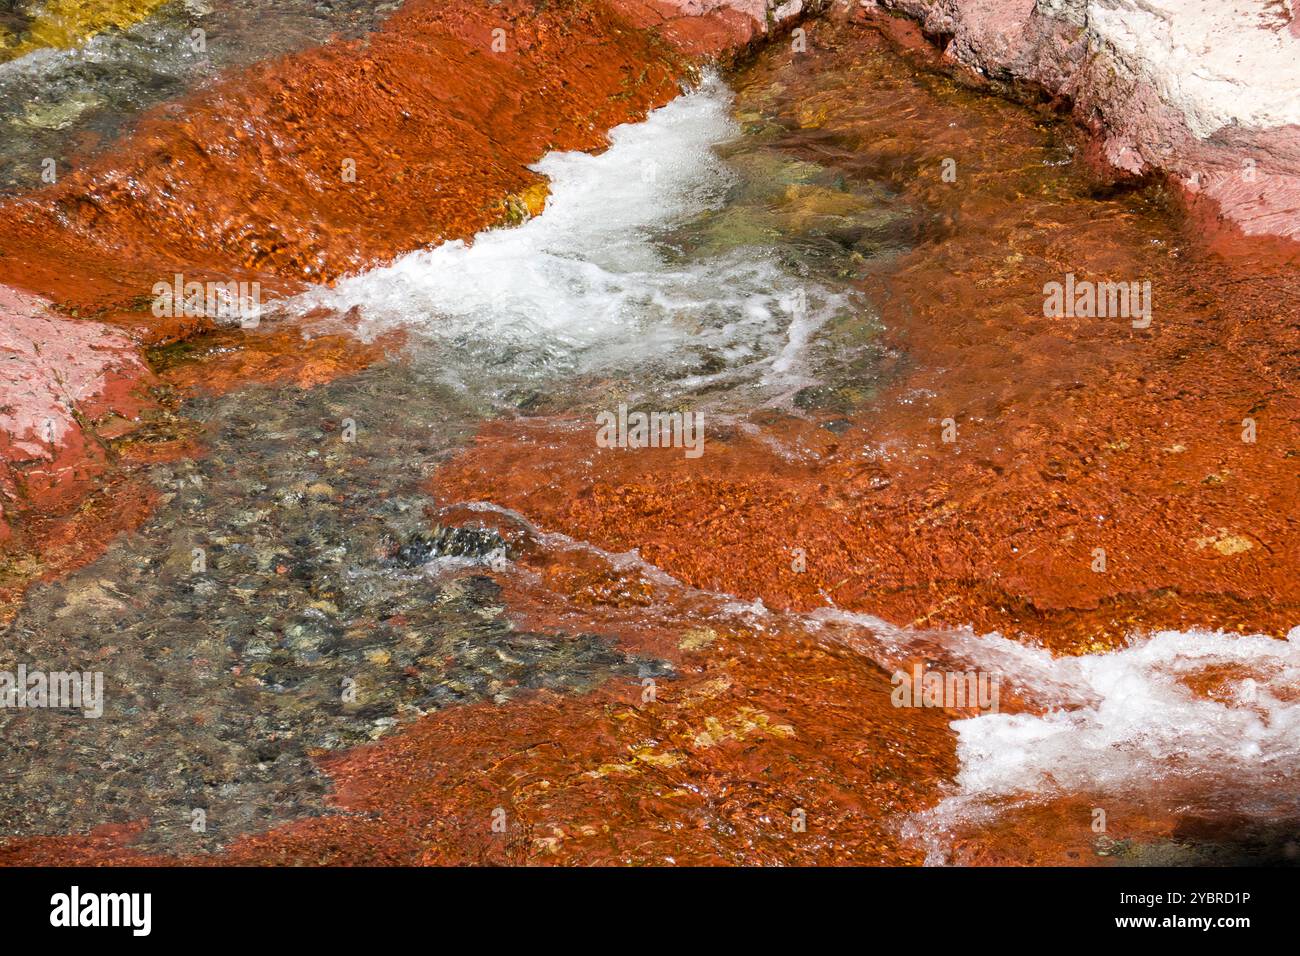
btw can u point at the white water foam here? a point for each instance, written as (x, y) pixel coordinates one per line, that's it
(1118, 721)
(586, 287)
(1128, 722)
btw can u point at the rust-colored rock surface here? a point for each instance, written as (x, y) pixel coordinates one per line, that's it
(337, 158)
(1072, 480)
(296, 171)
(1172, 448)
(1203, 92)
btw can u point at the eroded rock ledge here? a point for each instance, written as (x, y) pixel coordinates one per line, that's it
(1204, 90)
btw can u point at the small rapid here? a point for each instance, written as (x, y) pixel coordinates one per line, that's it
(657, 261)
(1193, 720)
(1198, 720)
(625, 272)
(444, 530)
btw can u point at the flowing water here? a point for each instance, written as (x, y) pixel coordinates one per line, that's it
(89, 69)
(721, 258)
(672, 263)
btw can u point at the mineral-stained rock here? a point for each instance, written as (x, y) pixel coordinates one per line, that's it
(60, 375)
(436, 118)
(1203, 90)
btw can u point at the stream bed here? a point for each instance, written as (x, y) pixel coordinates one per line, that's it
(334, 569)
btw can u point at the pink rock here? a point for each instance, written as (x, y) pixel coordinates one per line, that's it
(1205, 90)
(52, 370)
(754, 9)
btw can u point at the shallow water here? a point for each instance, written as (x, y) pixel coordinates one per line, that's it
(73, 92)
(685, 260)
(319, 562)
(725, 257)
(315, 614)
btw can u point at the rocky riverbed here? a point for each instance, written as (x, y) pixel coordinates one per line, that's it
(365, 583)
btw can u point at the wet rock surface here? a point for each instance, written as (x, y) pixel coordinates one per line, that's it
(312, 616)
(59, 380)
(739, 710)
(1200, 90)
(72, 87)
(1072, 434)
(133, 210)
(438, 127)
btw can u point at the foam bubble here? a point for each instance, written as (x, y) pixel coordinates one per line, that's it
(1217, 708)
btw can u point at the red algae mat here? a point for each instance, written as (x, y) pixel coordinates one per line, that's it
(1068, 482)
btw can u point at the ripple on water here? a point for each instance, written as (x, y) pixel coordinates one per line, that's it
(326, 613)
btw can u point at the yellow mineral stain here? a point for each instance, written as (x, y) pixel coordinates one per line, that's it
(697, 639)
(67, 23)
(1225, 543)
(745, 723)
(519, 207)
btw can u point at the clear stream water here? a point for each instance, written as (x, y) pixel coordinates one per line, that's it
(67, 104)
(657, 262)
(661, 255)
(694, 264)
